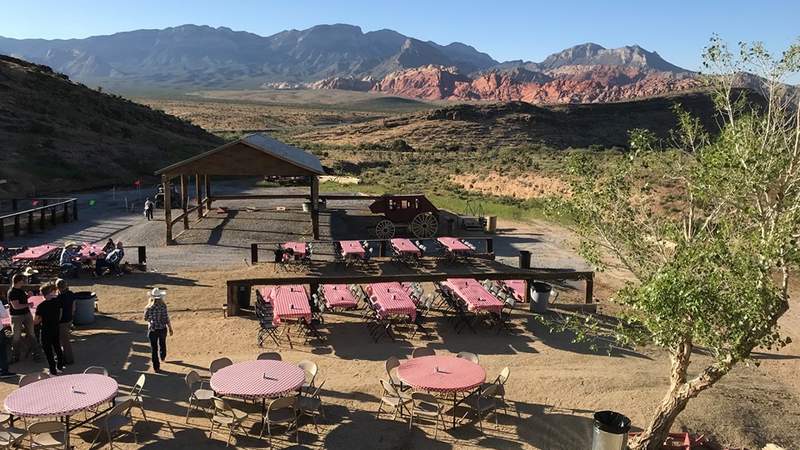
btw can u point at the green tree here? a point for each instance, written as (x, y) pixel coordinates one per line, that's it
(715, 274)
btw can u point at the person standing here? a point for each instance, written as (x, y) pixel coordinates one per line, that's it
(66, 298)
(21, 319)
(148, 209)
(48, 315)
(158, 323)
(4, 372)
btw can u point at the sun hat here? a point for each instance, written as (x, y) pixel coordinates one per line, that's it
(70, 244)
(29, 271)
(158, 293)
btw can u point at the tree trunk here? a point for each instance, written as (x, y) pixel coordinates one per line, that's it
(654, 435)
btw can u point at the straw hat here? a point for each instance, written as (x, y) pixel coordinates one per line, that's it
(70, 244)
(158, 293)
(29, 271)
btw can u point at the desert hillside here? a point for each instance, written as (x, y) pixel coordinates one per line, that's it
(56, 135)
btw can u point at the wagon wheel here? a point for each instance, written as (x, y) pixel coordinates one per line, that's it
(384, 229)
(425, 225)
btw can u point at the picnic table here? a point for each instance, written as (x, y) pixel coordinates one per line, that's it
(62, 396)
(392, 299)
(352, 249)
(299, 248)
(518, 288)
(255, 380)
(474, 295)
(442, 374)
(91, 252)
(405, 247)
(455, 245)
(33, 302)
(288, 302)
(37, 253)
(338, 296)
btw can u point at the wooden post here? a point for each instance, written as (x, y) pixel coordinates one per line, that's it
(198, 195)
(14, 204)
(185, 201)
(2, 230)
(489, 245)
(53, 215)
(589, 288)
(142, 254)
(42, 219)
(167, 186)
(207, 182)
(253, 253)
(75, 210)
(30, 222)
(233, 304)
(315, 207)
(66, 213)
(16, 225)
(524, 259)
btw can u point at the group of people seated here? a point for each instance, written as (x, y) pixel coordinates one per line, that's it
(47, 331)
(107, 260)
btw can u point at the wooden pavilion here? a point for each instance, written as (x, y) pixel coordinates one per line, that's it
(253, 155)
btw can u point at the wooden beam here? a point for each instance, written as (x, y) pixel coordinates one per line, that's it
(198, 196)
(315, 206)
(185, 201)
(260, 196)
(183, 216)
(166, 184)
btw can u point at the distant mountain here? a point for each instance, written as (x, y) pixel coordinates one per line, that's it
(56, 135)
(191, 56)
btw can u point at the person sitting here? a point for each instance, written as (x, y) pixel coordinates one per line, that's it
(109, 247)
(70, 260)
(112, 261)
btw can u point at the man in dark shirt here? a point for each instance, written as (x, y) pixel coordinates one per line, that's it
(48, 315)
(66, 298)
(21, 319)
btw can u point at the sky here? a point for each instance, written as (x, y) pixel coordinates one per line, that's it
(505, 29)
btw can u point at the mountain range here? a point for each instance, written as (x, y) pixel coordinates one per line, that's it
(340, 56)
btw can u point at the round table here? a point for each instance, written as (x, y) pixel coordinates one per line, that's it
(61, 396)
(444, 374)
(258, 380)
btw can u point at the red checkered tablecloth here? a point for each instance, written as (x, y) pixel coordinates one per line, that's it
(441, 374)
(338, 296)
(288, 302)
(35, 253)
(474, 295)
(90, 252)
(392, 300)
(455, 245)
(258, 379)
(517, 287)
(405, 246)
(61, 396)
(352, 248)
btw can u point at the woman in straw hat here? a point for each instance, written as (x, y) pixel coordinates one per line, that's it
(158, 323)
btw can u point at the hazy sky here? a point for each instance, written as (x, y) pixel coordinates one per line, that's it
(506, 29)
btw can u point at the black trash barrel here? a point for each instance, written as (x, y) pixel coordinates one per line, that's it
(243, 296)
(540, 296)
(610, 431)
(524, 259)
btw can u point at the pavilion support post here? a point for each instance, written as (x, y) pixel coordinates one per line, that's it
(207, 182)
(198, 196)
(315, 206)
(167, 186)
(232, 305)
(185, 201)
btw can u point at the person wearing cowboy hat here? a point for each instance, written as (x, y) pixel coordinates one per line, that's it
(30, 274)
(158, 324)
(70, 260)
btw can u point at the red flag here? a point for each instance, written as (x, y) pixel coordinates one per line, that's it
(34, 202)
(137, 183)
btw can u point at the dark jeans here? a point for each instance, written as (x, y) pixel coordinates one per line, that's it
(3, 352)
(102, 264)
(149, 213)
(52, 345)
(158, 345)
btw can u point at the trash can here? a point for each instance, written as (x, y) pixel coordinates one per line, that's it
(243, 296)
(610, 431)
(524, 259)
(540, 296)
(85, 304)
(491, 226)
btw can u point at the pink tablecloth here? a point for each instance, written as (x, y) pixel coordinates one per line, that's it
(36, 253)
(405, 246)
(258, 379)
(474, 294)
(288, 302)
(90, 252)
(60, 396)
(338, 296)
(392, 300)
(352, 248)
(299, 248)
(441, 374)
(33, 302)
(518, 288)
(455, 245)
